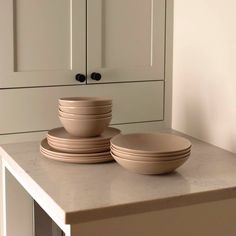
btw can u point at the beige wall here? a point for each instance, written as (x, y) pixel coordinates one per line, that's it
(204, 71)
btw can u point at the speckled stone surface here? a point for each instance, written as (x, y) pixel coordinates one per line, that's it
(81, 193)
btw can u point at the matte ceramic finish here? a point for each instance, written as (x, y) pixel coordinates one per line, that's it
(150, 143)
(209, 175)
(150, 168)
(75, 116)
(60, 134)
(166, 154)
(84, 101)
(85, 128)
(78, 160)
(87, 110)
(78, 144)
(78, 149)
(151, 159)
(48, 149)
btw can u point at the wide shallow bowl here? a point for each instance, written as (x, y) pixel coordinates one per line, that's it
(148, 158)
(166, 154)
(82, 117)
(85, 128)
(150, 168)
(60, 134)
(85, 101)
(150, 143)
(78, 149)
(93, 110)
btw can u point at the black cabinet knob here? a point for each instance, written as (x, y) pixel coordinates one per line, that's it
(95, 76)
(80, 77)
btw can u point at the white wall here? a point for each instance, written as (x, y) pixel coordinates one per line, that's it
(204, 71)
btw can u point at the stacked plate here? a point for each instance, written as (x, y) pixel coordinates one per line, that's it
(61, 146)
(85, 116)
(150, 153)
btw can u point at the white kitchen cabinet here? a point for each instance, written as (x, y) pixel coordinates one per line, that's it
(42, 42)
(46, 43)
(125, 39)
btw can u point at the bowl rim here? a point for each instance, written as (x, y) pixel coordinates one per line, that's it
(86, 119)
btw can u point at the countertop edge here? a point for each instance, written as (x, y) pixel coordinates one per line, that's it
(149, 206)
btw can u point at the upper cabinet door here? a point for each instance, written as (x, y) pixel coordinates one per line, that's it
(43, 42)
(125, 40)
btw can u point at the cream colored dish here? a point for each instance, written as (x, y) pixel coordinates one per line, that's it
(150, 168)
(85, 101)
(48, 149)
(85, 128)
(78, 149)
(149, 143)
(78, 160)
(60, 134)
(166, 154)
(87, 110)
(151, 159)
(82, 117)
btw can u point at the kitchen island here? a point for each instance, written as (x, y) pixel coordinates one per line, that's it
(73, 194)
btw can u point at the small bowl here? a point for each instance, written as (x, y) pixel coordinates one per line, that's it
(85, 128)
(85, 101)
(93, 110)
(80, 117)
(150, 168)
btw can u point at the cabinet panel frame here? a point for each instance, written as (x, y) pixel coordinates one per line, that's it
(10, 78)
(154, 72)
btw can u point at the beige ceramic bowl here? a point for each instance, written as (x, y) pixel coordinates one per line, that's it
(148, 158)
(93, 110)
(166, 154)
(85, 128)
(75, 116)
(150, 143)
(85, 101)
(150, 168)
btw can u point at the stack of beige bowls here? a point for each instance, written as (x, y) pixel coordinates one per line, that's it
(150, 153)
(85, 137)
(85, 116)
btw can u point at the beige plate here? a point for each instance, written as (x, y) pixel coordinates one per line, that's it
(78, 160)
(60, 134)
(148, 158)
(85, 101)
(46, 148)
(78, 149)
(150, 143)
(167, 154)
(150, 168)
(78, 144)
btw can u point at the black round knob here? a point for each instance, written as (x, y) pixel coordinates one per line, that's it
(80, 77)
(96, 76)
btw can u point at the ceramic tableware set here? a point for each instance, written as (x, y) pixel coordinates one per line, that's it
(150, 153)
(85, 135)
(87, 138)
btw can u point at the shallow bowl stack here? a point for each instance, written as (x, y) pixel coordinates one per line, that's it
(85, 116)
(85, 137)
(150, 153)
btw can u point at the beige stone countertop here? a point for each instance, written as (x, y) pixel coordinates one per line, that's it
(82, 192)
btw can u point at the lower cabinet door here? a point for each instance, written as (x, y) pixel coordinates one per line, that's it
(35, 109)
